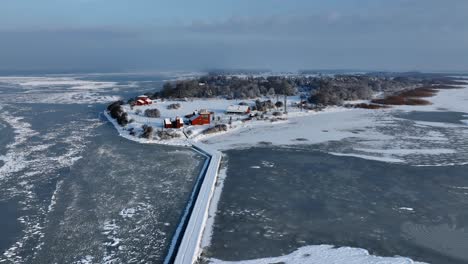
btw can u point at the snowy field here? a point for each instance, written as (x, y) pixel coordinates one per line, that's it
(216, 106)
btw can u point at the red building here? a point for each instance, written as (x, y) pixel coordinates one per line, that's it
(143, 100)
(167, 123)
(177, 123)
(202, 118)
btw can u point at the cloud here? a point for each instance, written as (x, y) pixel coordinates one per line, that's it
(407, 34)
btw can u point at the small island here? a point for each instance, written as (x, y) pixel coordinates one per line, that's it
(192, 110)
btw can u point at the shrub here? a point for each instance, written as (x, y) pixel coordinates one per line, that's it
(147, 132)
(114, 104)
(279, 104)
(123, 119)
(277, 113)
(173, 106)
(116, 111)
(152, 113)
(166, 134)
(263, 106)
(215, 129)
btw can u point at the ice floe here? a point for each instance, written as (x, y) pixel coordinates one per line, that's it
(59, 90)
(325, 254)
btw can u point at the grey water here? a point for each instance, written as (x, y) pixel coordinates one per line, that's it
(73, 191)
(276, 200)
(441, 116)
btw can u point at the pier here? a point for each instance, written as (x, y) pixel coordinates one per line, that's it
(185, 247)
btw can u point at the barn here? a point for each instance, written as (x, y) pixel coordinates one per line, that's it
(201, 118)
(167, 123)
(143, 100)
(177, 123)
(238, 109)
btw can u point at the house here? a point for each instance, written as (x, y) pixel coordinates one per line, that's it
(143, 100)
(177, 123)
(201, 118)
(238, 109)
(167, 123)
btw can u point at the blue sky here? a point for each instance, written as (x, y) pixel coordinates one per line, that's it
(99, 35)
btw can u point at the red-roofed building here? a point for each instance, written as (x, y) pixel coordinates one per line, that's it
(143, 100)
(177, 123)
(202, 118)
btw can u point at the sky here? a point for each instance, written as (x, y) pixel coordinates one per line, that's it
(144, 35)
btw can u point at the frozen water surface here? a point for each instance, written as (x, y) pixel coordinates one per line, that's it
(279, 204)
(312, 198)
(72, 191)
(116, 202)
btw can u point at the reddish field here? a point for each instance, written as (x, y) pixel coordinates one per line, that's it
(400, 100)
(370, 106)
(411, 97)
(419, 92)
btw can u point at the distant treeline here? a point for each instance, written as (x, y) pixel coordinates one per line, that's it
(324, 90)
(335, 90)
(230, 87)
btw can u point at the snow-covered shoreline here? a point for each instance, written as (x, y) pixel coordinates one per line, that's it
(297, 127)
(286, 123)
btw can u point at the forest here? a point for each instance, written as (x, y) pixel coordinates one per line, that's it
(320, 90)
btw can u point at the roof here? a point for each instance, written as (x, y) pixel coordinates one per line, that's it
(140, 101)
(238, 108)
(204, 112)
(194, 117)
(167, 121)
(142, 96)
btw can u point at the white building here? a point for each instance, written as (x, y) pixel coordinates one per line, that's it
(238, 109)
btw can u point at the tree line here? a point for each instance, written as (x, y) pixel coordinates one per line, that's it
(324, 90)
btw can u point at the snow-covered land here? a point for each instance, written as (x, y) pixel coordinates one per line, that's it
(298, 126)
(218, 107)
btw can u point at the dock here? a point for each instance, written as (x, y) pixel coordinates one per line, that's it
(185, 247)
